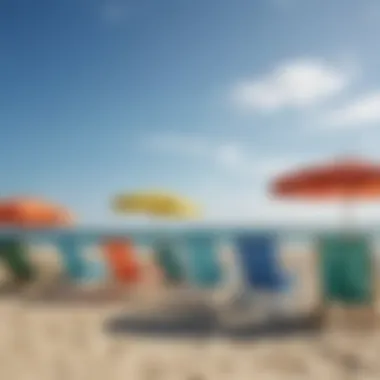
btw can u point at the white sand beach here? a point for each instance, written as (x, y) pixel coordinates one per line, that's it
(45, 341)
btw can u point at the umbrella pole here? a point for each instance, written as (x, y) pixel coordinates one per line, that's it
(348, 216)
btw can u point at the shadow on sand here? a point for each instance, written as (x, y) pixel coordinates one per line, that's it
(280, 328)
(205, 324)
(60, 292)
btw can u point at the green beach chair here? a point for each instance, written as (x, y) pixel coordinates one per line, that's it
(14, 255)
(170, 263)
(346, 270)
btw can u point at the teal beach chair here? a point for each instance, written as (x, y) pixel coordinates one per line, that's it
(70, 249)
(346, 270)
(95, 269)
(203, 267)
(191, 265)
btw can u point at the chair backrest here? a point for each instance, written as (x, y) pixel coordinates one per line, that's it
(70, 248)
(96, 268)
(202, 261)
(13, 253)
(45, 259)
(346, 269)
(167, 258)
(258, 261)
(121, 256)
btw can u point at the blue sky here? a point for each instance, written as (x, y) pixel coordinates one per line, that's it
(209, 98)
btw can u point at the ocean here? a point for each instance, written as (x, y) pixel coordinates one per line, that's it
(300, 236)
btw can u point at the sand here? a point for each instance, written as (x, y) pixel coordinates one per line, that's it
(68, 343)
(45, 341)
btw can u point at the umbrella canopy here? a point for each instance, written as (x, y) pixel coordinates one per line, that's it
(158, 204)
(345, 179)
(23, 212)
(345, 261)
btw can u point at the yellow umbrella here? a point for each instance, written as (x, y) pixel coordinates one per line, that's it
(156, 203)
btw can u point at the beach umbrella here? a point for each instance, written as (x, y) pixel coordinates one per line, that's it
(345, 262)
(160, 205)
(156, 204)
(26, 213)
(346, 180)
(33, 213)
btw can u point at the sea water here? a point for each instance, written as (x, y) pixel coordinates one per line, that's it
(299, 237)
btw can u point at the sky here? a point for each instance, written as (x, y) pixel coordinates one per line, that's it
(206, 98)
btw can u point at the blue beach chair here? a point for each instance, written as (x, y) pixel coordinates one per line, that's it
(259, 263)
(260, 301)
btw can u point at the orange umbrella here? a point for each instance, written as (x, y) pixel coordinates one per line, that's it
(346, 179)
(28, 212)
(345, 265)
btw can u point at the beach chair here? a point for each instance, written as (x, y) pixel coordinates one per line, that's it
(84, 270)
(264, 285)
(95, 266)
(121, 257)
(167, 259)
(193, 262)
(70, 249)
(203, 267)
(47, 262)
(190, 265)
(197, 259)
(347, 272)
(259, 263)
(14, 254)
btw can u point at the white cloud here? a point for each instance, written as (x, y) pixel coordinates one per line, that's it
(292, 84)
(236, 161)
(359, 113)
(249, 205)
(229, 155)
(233, 157)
